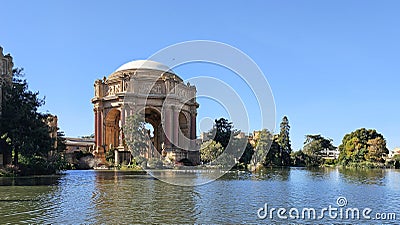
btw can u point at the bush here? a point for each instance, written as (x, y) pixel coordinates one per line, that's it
(141, 161)
(329, 161)
(155, 163)
(36, 165)
(110, 157)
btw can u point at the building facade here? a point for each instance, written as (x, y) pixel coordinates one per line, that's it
(154, 91)
(6, 66)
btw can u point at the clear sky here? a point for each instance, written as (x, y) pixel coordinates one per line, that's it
(333, 66)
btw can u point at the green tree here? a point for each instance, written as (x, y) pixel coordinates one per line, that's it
(23, 128)
(262, 148)
(223, 132)
(376, 150)
(247, 154)
(299, 158)
(284, 142)
(275, 154)
(135, 134)
(210, 150)
(61, 141)
(362, 145)
(314, 145)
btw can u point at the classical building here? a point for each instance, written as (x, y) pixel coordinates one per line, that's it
(6, 66)
(154, 91)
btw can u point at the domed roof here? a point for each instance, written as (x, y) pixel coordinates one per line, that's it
(144, 64)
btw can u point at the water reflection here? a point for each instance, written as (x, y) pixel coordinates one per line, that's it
(30, 181)
(363, 176)
(112, 197)
(141, 199)
(21, 199)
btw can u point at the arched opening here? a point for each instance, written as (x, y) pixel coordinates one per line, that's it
(155, 131)
(184, 124)
(113, 129)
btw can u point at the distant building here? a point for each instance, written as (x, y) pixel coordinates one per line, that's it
(330, 153)
(241, 135)
(394, 152)
(52, 122)
(79, 144)
(204, 136)
(6, 66)
(76, 145)
(254, 137)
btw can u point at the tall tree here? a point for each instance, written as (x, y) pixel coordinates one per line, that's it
(135, 135)
(284, 141)
(262, 148)
(222, 132)
(23, 128)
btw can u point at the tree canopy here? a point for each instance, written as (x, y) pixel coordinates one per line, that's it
(23, 128)
(314, 145)
(25, 132)
(222, 132)
(363, 145)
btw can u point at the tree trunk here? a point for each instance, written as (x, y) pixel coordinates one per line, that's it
(15, 162)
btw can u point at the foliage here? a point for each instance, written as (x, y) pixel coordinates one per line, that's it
(24, 131)
(61, 141)
(298, 158)
(155, 163)
(262, 147)
(37, 165)
(247, 154)
(222, 132)
(314, 145)
(223, 140)
(140, 161)
(269, 152)
(110, 157)
(88, 136)
(210, 150)
(276, 156)
(22, 127)
(394, 162)
(135, 134)
(362, 145)
(284, 142)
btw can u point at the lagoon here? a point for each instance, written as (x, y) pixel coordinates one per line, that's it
(118, 197)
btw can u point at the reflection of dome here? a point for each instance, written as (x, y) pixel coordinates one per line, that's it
(144, 64)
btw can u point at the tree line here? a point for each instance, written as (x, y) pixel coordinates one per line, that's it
(361, 148)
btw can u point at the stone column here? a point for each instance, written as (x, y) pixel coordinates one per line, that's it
(193, 126)
(176, 125)
(100, 128)
(96, 132)
(167, 127)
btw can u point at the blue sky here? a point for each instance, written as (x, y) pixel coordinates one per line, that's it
(333, 66)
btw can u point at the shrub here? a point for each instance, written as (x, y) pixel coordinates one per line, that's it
(155, 163)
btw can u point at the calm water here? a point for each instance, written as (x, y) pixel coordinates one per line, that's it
(96, 197)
